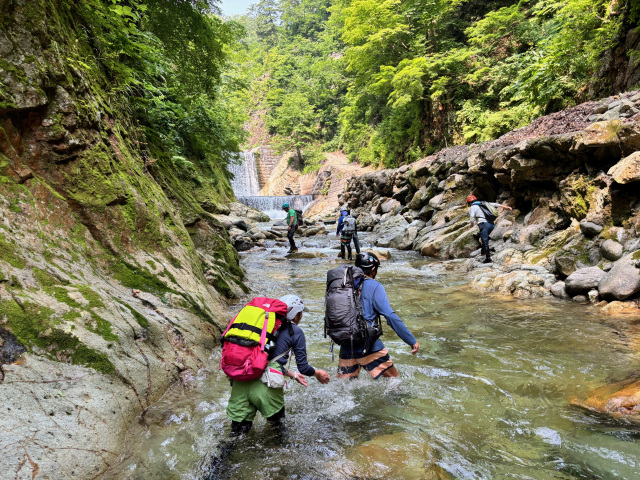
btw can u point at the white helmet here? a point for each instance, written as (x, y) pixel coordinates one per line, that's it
(295, 304)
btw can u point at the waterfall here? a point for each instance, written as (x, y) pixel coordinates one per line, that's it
(246, 186)
(245, 176)
(272, 205)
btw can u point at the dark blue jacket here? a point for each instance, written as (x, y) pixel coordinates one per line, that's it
(298, 343)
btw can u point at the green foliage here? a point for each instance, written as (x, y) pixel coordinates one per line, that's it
(390, 81)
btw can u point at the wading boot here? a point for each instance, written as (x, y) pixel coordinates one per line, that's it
(488, 260)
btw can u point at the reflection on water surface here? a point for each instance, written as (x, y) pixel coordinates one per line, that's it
(486, 397)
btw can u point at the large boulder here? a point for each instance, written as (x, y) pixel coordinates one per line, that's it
(565, 265)
(391, 233)
(626, 170)
(558, 290)
(389, 205)
(611, 250)
(622, 281)
(583, 280)
(590, 229)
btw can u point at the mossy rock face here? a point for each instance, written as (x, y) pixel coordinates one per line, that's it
(32, 326)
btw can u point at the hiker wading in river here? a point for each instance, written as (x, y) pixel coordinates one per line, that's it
(347, 230)
(376, 360)
(292, 226)
(252, 396)
(484, 214)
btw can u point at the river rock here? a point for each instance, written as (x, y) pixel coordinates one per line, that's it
(366, 221)
(382, 254)
(389, 205)
(558, 290)
(391, 233)
(311, 231)
(593, 296)
(583, 280)
(306, 254)
(580, 299)
(626, 170)
(242, 244)
(611, 250)
(565, 265)
(590, 229)
(530, 283)
(618, 399)
(621, 308)
(622, 281)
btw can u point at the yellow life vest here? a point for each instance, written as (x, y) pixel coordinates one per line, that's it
(250, 322)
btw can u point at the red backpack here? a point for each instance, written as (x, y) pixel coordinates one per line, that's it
(243, 348)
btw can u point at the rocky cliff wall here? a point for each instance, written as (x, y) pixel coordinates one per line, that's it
(112, 272)
(571, 180)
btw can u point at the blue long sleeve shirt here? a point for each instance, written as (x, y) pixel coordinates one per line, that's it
(374, 303)
(296, 342)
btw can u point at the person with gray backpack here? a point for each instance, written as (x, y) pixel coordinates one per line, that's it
(347, 230)
(484, 214)
(354, 302)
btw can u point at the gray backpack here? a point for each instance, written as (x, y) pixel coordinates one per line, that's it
(349, 226)
(343, 319)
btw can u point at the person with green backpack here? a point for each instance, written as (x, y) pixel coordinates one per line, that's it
(484, 215)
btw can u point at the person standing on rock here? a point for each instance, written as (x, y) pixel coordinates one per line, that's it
(292, 226)
(374, 303)
(347, 230)
(484, 215)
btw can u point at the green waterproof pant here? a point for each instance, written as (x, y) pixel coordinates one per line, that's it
(247, 398)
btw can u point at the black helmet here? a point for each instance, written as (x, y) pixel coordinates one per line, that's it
(367, 260)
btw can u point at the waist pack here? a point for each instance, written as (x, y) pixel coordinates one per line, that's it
(343, 318)
(244, 341)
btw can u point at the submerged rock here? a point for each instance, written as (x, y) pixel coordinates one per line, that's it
(618, 399)
(306, 254)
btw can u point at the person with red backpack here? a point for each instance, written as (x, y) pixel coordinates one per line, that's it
(484, 214)
(280, 332)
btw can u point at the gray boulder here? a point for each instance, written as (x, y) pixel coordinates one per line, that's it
(389, 205)
(611, 250)
(622, 281)
(391, 233)
(558, 290)
(590, 229)
(583, 280)
(565, 265)
(626, 170)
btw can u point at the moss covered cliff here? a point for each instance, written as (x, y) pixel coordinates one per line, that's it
(109, 254)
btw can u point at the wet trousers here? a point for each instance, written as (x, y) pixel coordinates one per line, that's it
(290, 233)
(345, 243)
(485, 230)
(356, 243)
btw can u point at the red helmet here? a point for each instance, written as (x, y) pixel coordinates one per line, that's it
(471, 198)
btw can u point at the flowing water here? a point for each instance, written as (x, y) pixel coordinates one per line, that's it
(487, 396)
(245, 175)
(272, 205)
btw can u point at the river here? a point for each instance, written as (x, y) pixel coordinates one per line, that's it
(486, 397)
